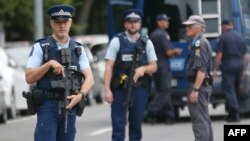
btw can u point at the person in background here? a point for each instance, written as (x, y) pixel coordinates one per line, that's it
(164, 49)
(231, 53)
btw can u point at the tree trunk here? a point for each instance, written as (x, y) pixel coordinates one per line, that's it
(83, 17)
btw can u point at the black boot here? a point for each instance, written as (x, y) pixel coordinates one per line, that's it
(233, 117)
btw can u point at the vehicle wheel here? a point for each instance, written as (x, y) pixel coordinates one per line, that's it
(98, 99)
(12, 110)
(3, 117)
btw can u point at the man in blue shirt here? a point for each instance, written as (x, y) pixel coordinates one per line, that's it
(232, 54)
(45, 64)
(164, 49)
(119, 60)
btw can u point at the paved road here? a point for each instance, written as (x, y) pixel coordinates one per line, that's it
(95, 125)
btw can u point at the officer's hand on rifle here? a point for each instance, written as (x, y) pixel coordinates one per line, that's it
(74, 99)
(108, 96)
(139, 72)
(57, 67)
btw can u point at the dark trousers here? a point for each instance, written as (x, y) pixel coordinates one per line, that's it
(162, 101)
(201, 122)
(135, 114)
(50, 124)
(230, 85)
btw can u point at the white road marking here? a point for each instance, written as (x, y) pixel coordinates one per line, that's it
(20, 119)
(101, 131)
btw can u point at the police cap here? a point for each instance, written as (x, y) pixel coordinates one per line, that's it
(162, 17)
(60, 12)
(132, 15)
(226, 22)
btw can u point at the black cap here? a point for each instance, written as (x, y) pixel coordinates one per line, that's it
(132, 14)
(60, 12)
(226, 22)
(161, 17)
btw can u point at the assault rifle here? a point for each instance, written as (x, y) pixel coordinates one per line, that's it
(130, 83)
(68, 82)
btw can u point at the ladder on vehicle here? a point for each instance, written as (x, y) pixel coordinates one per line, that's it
(210, 10)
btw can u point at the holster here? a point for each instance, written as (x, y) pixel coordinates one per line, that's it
(30, 102)
(210, 79)
(34, 99)
(80, 107)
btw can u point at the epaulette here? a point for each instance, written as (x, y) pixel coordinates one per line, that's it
(43, 41)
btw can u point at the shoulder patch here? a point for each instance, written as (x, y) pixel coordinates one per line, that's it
(197, 52)
(168, 37)
(197, 43)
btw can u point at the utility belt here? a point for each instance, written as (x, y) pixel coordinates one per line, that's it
(53, 95)
(37, 97)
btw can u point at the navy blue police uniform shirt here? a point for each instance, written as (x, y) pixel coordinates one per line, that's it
(232, 45)
(162, 43)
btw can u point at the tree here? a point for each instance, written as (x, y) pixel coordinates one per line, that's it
(17, 17)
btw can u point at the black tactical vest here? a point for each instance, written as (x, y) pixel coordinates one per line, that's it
(51, 52)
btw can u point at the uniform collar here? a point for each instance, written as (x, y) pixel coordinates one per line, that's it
(66, 45)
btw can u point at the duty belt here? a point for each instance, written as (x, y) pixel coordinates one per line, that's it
(53, 95)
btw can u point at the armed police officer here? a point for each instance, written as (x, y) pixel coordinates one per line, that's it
(198, 65)
(130, 59)
(46, 67)
(164, 50)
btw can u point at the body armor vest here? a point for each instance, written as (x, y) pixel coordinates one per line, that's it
(51, 52)
(124, 61)
(124, 57)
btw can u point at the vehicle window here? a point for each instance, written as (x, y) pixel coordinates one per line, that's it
(14, 52)
(99, 51)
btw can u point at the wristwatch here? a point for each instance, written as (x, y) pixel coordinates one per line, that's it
(195, 89)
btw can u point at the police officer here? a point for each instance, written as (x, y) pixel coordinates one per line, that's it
(198, 65)
(119, 58)
(164, 50)
(232, 53)
(44, 65)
